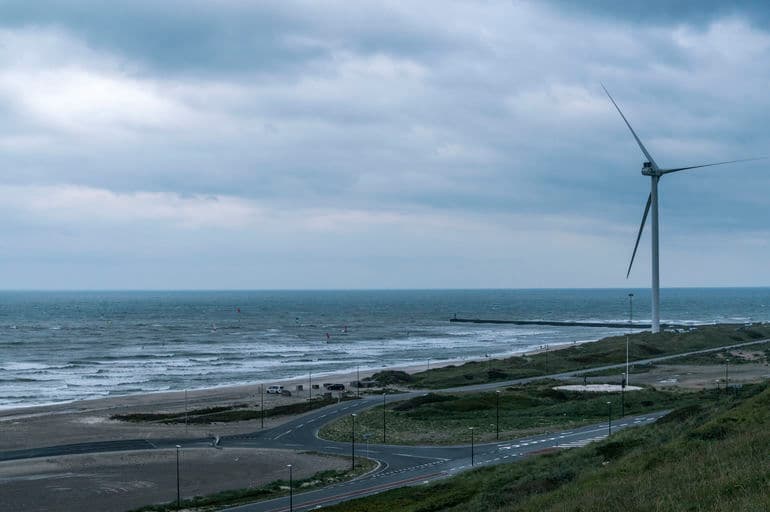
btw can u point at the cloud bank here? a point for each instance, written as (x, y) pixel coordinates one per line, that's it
(377, 144)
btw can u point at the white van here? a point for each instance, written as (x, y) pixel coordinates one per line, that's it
(275, 389)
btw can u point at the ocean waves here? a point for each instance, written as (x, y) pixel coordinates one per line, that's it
(72, 346)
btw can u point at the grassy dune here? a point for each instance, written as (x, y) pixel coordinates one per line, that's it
(610, 350)
(444, 418)
(228, 413)
(710, 457)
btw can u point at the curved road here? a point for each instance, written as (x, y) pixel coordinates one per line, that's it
(398, 465)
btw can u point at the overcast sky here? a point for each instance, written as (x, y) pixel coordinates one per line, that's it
(384, 144)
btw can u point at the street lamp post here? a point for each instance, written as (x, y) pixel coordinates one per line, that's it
(497, 427)
(178, 495)
(383, 417)
(727, 377)
(631, 323)
(358, 382)
(609, 418)
(291, 488)
(353, 443)
(472, 454)
(310, 386)
(623, 397)
(185, 411)
(262, 404)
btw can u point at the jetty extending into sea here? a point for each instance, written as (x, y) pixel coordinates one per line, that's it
(557, 323)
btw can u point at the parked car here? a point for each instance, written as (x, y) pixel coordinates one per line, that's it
(275, 389)
(336, 387)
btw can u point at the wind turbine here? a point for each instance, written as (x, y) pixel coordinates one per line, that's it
(651, 169)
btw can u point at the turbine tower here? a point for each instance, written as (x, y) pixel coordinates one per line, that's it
(651, 169)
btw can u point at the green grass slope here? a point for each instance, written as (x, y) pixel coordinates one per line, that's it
(610, 350)
(710, 457)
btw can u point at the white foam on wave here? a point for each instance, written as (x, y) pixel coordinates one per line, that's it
(24, 366)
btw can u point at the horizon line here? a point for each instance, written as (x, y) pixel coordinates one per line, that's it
(6, 290)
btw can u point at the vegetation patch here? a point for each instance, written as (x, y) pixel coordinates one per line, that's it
(608, 351)
(445, 418)
(226, 414)
(391, 378)
(661, 467)
(755, 354)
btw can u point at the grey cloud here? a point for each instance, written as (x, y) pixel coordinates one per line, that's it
(463, 109)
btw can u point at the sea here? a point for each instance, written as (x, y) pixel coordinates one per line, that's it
(60, 347)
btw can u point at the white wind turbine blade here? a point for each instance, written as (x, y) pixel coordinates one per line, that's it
(668, 171)
(639, 235)
(641, 146)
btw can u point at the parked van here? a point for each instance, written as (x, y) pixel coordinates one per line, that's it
(275, 389)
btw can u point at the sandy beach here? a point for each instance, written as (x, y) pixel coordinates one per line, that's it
(89, 420)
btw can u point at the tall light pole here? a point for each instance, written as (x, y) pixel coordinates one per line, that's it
(185, 411)
(727, 377)
(631, 323)
(291, 488)
(178, 495)
(353, 443)
(609, 418)
(262, 402)
(383, 417)
(310, 386)
(472, 454)
(358, 382)
(623, 398)
(497, 428)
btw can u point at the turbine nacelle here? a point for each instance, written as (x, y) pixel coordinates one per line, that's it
(648, 169)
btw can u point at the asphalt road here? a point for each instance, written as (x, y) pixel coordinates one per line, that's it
(398, 465)
(405, 465)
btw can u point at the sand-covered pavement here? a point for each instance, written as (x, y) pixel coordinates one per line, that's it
(120, 481)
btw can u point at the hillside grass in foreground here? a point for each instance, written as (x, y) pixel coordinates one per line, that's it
(710, 458)
(607, 351)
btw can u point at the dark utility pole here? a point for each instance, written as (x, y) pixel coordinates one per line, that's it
(291, 489)
(383, 417)
(623, 397)
(609, 418)
(472, 454)
(353, 443)
(262, 401)
(178, 495)
(497, 430)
